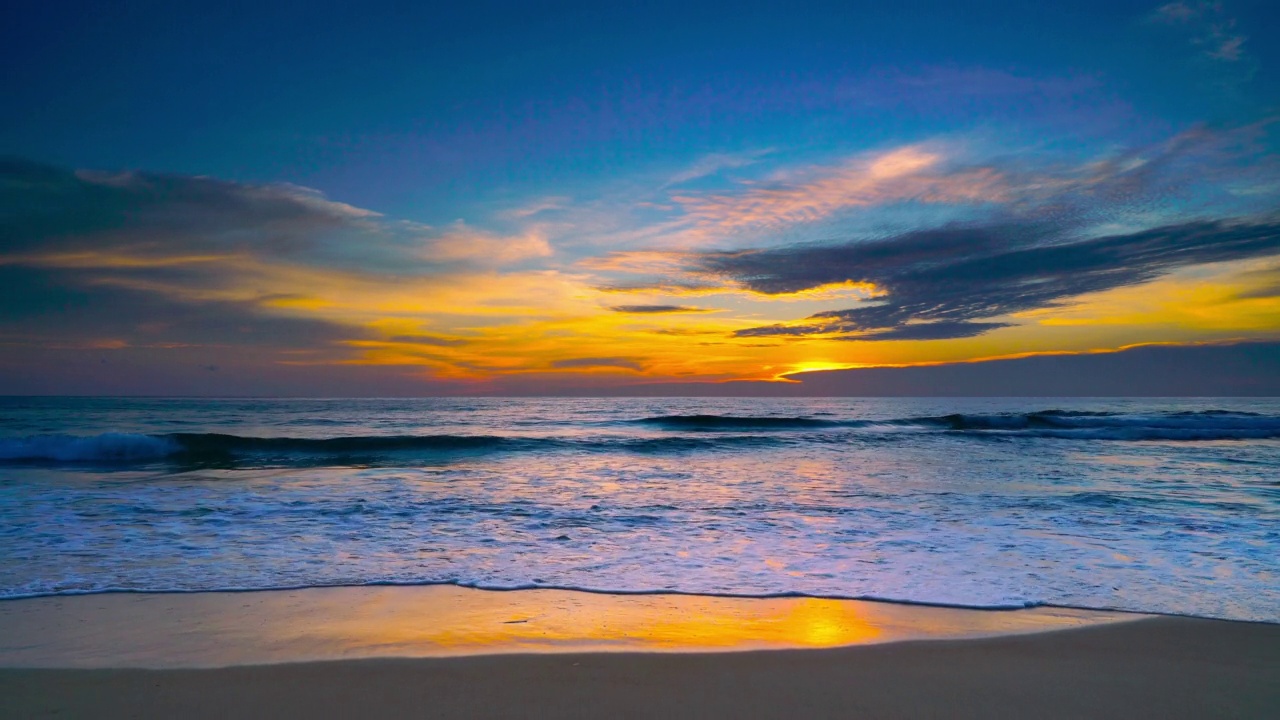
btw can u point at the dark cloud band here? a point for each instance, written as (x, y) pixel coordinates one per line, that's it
(939, 283)
(657, 309)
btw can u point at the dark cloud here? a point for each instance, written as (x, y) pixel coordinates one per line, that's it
(1039, 249)
(43, 306)
(589, 362)
(940, 282)
(1261, 293)
(680, 332)
(943, 330)
(1266, 284)
(1246, 369)
(663, 287)
(434, 340)
(657, 309)
(142, 263)
(1243, 369)
(49, 209)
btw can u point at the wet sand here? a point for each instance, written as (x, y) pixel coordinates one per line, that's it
(250, 628)
(1102, 666)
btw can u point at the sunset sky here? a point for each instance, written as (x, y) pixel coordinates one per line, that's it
(421, 198)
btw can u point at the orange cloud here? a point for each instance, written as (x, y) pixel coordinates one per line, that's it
(461, 243)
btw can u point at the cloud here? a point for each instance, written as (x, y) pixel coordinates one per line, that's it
(939, 282)
(685, 332)
(1059, 230)
(911, 173)
(939, 330)
(626, 363)
(156, 261)
(537, 207)
(715, 163)
(658, 309)
(461, 243)
(235, 275)
(56, 217)
(433, 340)
(664, 288)
(50, 210)
(1159, 370)
(45, 307)
(936, 181)
(1178, 12)
(1208, 25)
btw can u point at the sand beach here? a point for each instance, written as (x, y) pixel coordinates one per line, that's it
(446, 652)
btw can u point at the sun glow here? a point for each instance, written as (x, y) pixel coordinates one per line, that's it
(818, 366)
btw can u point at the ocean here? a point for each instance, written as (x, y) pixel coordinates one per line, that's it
(1150, 505)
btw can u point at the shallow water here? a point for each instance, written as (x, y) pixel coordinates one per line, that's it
(1147, 505)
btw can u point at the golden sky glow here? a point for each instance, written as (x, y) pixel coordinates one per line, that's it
(591, 290)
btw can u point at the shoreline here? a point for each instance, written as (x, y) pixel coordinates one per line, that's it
(219, 629)
(618, 593)
(1158, 667)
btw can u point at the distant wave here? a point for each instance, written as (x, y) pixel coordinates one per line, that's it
(688, 433)
(732, 422)
(207, 443)
(1203, 425)
(1199, 425)
(207, 448)
(124, 447)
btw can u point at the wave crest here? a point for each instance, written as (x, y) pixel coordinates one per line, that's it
(71, 448)
(734, 422)
(688, 433)
(1201, 425)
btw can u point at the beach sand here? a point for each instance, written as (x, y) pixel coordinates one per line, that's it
(645, 656)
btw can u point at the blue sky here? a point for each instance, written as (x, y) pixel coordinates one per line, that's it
(560, 137)
(423, 109)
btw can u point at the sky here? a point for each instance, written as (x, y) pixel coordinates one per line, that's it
(331, 198)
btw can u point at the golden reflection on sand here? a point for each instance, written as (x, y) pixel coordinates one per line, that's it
(210, 629)
(631, 622)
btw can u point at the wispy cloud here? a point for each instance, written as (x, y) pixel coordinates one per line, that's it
(658, 309)
(625, 363)
(460, 243)
(1208, 25)
(538, 206)
(911, 173)
(715, 163)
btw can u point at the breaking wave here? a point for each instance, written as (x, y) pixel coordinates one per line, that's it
(216, 448)
(1201, 425)
(125, 447)
(683, 433)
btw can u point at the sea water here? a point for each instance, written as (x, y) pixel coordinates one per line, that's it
(1154, 505)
